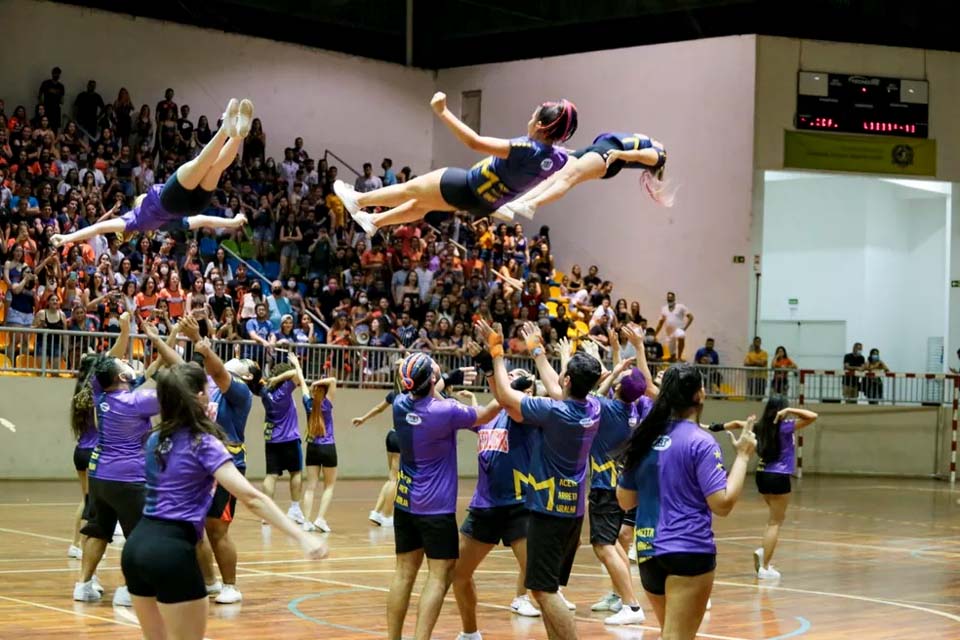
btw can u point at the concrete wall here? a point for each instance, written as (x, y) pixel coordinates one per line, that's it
(847, 439)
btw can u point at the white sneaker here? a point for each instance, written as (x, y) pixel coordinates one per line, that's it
(365, 220)
(215, 588)
(632, 554)
(321, 524)
(118, 531)
(626, 615)
(295, 514)
(768, 573)
(757, 559)
(522, 606)
(75, 552)
(121, 597)
(229, 595)
(569, 605)
(308, 527)
(84, 592)
(523, 209)
(504, 213)
(469, 636)
(348, 196)
(96, 584)
(230, 117)
(56, 240)
(244, 118)
(607, 603)
(385, 522)
(709, 604)
(375, 517)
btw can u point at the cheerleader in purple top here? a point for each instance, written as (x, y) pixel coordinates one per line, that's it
(84, 428)
(776, 450)
(604, 158)
(321, 451)
(185, 454)
(178, 203)
(511, 168)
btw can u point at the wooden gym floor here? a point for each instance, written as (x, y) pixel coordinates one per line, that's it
(861, 558)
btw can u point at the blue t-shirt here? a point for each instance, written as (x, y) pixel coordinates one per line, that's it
(557, 478)
(496, 181)
(503, 452)
(230, 411)
(617, 421)
(263, 329)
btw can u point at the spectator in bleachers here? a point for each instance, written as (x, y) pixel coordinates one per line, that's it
(707, 354)
(50, 97)
(873, 386)
(782, 366)
(87, 108)
(756, 358)
(368, 181)
(653, 349)
(852, 363)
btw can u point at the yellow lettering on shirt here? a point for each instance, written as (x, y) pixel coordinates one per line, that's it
(522, 479)
(566, 482)
(609, 465)
(486, 172)
(403, 502)
(569, 496)
(645, 532)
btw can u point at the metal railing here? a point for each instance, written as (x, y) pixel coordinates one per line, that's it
(58, 353)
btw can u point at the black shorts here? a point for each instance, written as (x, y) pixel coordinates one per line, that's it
(606, 516)
(176, 199)
(159, 561)
(603, 149)
(436, 535)
(109, 502)
(393, 442)
(773, 484)
(456, 191)
(81, 458)
(497, 524)
(552, 545)
(654, 571)
(283, 456)
(224, 505)
(322, 455)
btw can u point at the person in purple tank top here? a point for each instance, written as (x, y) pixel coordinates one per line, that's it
(178, 203)
(512, 167)
(425, 521)
(281, 433)
(776, 450)
(673, 477)
(321, 448)
(184, 456)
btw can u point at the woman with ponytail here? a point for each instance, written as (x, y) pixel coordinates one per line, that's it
(84, 428)
(604, 158)
(511, 168)
(678, 469)
(321, 447)
(185, 454)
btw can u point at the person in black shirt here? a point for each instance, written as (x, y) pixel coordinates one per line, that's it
(124, 168)
(87, 108)
(185, 128)
(853, 361)
(592, 279)
(51, 97)
(166, 108)
(220, 301)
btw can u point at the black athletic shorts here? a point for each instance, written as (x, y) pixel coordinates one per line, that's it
(81, 458)
(436, 535)
(603, 149)
(109, 502)
(552, 544)
(159, 561)
(497, 524)
(283, 456)
(773, 484)
(606, 516)
(393, 442)
(654, 571)
(176, 199)
(322, 455)
(455, 190)
(224, 505)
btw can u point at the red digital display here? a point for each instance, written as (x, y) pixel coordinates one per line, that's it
(891, 127)
(868, 126)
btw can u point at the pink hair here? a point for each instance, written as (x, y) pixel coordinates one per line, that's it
(658, 188)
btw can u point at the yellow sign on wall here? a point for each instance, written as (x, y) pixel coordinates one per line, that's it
(860, 154)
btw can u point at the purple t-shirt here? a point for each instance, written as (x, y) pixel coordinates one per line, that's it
(786, 462)
(181, 488)
(88, 439)
(427, 429)
(150, 215)
(672, 484)
(123, 417)
(503, 452)
(326, 409)
(282, 423)
(644, 405)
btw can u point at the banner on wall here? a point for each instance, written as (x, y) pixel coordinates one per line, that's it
(860, 154)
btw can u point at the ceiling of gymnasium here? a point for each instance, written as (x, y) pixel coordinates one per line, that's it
(449, 33)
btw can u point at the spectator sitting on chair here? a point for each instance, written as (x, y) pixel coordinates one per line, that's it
(757, 358)
(852, 362)
(781, 377)
(873, 386)
(708, 356)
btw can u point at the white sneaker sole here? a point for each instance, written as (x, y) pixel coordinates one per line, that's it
(244, 118)
(230, 118)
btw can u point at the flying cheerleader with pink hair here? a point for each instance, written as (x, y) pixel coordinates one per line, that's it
(511, 168)
(604, 158)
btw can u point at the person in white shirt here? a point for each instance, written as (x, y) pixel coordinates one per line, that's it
(676, 318)
(289, 166)
(603, 315)
(143, 175)
(368, 181)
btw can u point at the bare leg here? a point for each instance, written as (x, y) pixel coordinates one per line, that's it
(148, 614)
(680, 344)
(778, 512)
(589, 167)
(472, 553)
(398, 600)
(113, 225)
(391, 485)
(329, 481)
(216, 222)
(617, 565)
(270, 485)
(205, 559)
(519, 548)
(310, 488)
(686, 603)
(93, 550)
(409, 211)
(185, 620)
(223, 549)
(431, 598)
(626, 539)
(296, 484)
(557, 618)
(226, 157)
(425, 188)
(78, 515)
(190, 174)
(659, 606)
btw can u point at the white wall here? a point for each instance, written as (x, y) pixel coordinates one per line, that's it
(861, 250)
(697, 97)
(361, 109)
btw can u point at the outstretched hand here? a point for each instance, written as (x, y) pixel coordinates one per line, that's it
(612, 157)
(491, 335)
(531, 335)
(746, 442)
(633, 333)
(190, 328)
(438, 102)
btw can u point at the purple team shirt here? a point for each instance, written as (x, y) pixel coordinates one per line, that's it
(427, 429)
(786, 462)
(282, 425)
(150, 215)
(124, 420)
(182, 487)
(326, 409)
(88, 439)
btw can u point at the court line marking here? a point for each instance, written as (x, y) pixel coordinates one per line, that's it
(35, 535)
(804, 627)
(294, 607)
(906, 550)
(39, 504)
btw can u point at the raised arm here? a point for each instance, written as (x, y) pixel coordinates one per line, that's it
(721, 502)
(804, 418)
(170, 342)
(167, 353)
(377, 410)
(119, 348)
(635, 335)
(211, 361)
(495, 370)
(470, 138)
(622, 366)
(551, 380)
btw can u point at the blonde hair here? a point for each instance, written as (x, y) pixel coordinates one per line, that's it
(316, 426)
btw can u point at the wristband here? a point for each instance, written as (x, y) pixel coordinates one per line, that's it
(453, 378)
(716, 426)
(537, 351)
(496, 351)
(484, 362)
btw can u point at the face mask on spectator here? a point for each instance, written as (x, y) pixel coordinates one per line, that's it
(291, 284)
(363, 300)
(648, 339)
